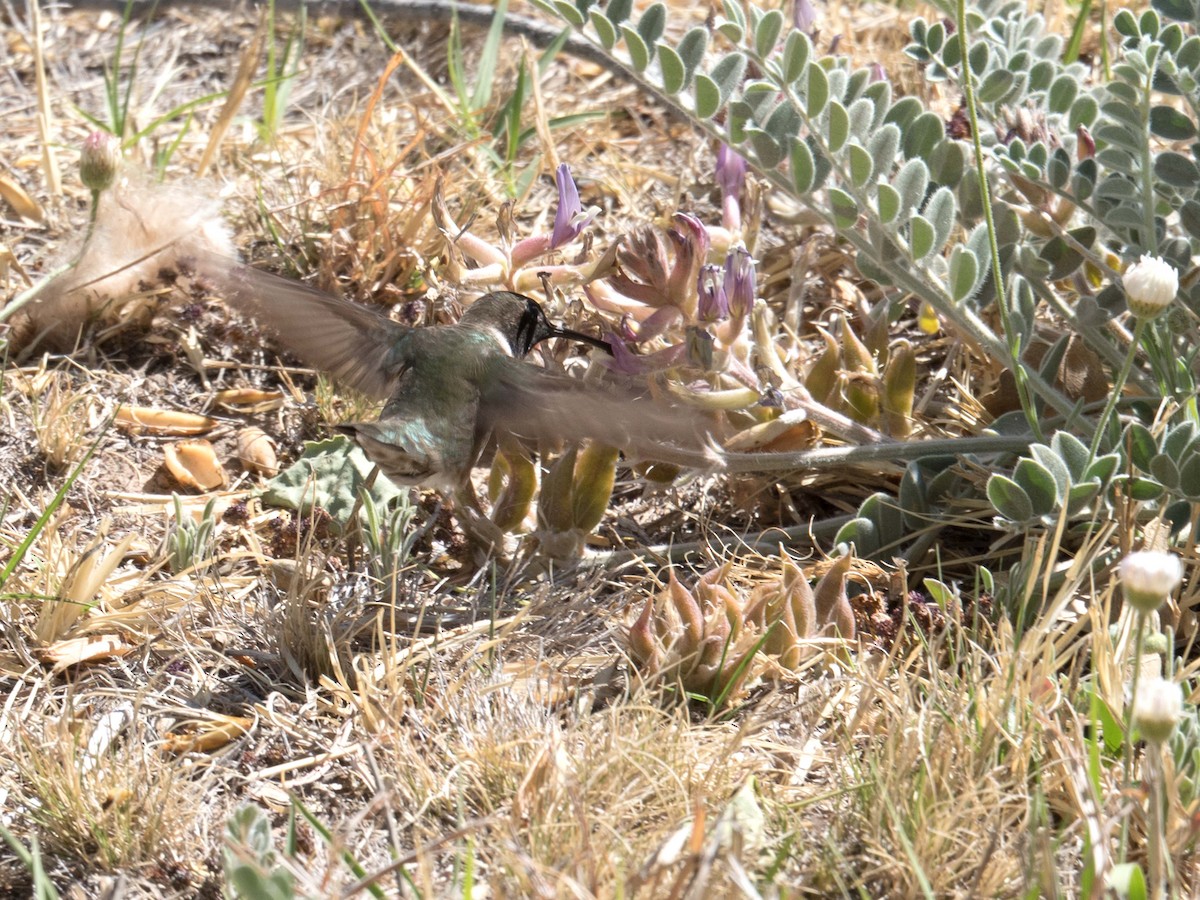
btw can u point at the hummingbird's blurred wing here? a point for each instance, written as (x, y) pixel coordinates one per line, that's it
(358, 346)
(534, 404)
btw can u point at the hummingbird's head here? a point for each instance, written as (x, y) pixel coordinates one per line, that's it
(521, 322)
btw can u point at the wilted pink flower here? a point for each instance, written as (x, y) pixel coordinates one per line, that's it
(878, 73)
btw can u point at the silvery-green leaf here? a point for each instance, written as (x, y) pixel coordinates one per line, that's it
(801, 166)
(1103, 468)
(1114, 187)
(784, 123)
(1083, 182)
(671, 67)
(652, 23)
(1009, 499)
(639, 53)
(766, 148)
(1121, 136)
(796, 52)
(941, 210)
(884, 145)
(1123, 112)
(1125, 218)
(1039, 154)
(1054, 464)
(923, 135)
(860, 164)
(861, 533)
(861, 113)
(948, 163)
(904, 111)
(1149, 23)
(964, 273)
(1188, 56)
(880, 94)
(843, 207)
(995, 85)
(1073, 452)
(838, 128)
(921, 237)
(1179, 439)
(856, 84)
(1143, 490)
(1083, 112)
(1079, 496)
(1117, 160)
(1062, 93)
(691, 50)
(568, 12)
(887, 200)
(728, 74)
(1182, 10)
(766, 33)
(1189, 218)
(1131, 93)
(935, 37)
(1171, 124)
(818, 91)
(604, 30)
(734, 12)
(1041, 75)
(978, 57)
(1141, 443)
(1189, 478)
(1164, 470)
(1039, 485)
(1176, 169)
(708, 96)
(911, 181)
(732, 32)
(1058, 170)
(951, 54)
(618, 10)
(1125, 24)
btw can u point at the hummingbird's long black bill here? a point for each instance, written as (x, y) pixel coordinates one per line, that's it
(582, 338)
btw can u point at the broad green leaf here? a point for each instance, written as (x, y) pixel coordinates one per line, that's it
(1038, 484)
(604, 30)
(860, 164)
(671, 66)
(839, 127)
(1062, 93)
(796, 51)
(652, 23)
(767, 32)
(1009, 499)
(818, 91)
(639, 53)
(920, 237)
(996, 85)
(691, 50)
(964, 272)
(801, 166)
(708, 96)
(887, 201)
(727, 74)
(843, 207)
(1171, 124)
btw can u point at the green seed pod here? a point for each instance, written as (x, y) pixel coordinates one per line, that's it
(595, 473)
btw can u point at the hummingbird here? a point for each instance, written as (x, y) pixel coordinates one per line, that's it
(449, 389)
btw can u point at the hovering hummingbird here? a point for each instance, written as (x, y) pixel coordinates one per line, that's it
(450, 388)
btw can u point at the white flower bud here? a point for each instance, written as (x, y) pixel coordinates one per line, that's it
(1157, 708)
(1150, 285)
(1149, 577)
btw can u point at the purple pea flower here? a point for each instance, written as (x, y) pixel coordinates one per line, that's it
(570, 219)
(731, 176)
(713, 305)
(804, 16)
(739, 281)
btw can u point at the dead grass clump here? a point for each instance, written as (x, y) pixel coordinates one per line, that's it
(110, 800)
